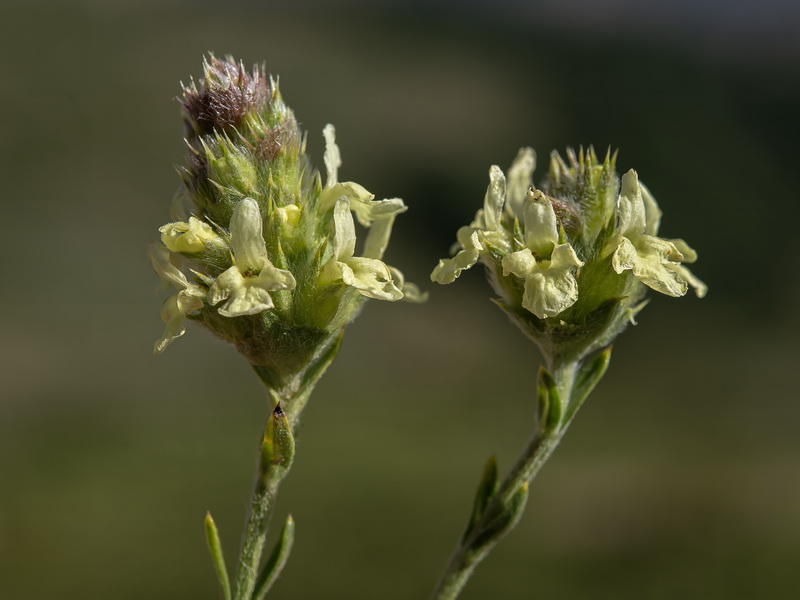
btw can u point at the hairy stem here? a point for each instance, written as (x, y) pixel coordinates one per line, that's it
(502, 512)
(255, 536)
(275, 460)
(274, 465)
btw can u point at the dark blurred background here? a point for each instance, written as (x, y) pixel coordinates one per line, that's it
(679, 479)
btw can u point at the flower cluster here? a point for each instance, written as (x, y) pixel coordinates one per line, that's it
(571, 261)
(271, 250)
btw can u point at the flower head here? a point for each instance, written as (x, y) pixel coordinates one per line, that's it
(273, 252)
(571, 260)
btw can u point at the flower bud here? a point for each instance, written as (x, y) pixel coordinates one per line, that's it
(226, 95)
(277, 446)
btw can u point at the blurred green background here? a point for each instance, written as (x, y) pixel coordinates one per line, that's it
(679, 479)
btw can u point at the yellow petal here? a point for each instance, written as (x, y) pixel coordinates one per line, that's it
(333, 158)
(549, 291)
(519, 263)
(189, 238)
(630, 207)
(494, 199)
(370, 277)
(520, 180)
(411, 292)
(541, 225)
(247, 241)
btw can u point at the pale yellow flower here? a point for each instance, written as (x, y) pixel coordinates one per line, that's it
(547, 267)
(486, 227)
(370, 276)
(247, 284)
(190, 238)
(549, 274)
(175, 308)
(656, 262)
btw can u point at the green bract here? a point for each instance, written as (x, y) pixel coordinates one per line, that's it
(570, 261)
(272, 252)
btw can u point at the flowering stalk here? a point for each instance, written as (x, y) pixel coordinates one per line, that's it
(571, 263)
(274, 269)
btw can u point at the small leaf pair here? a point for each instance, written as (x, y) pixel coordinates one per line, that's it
(269, 572)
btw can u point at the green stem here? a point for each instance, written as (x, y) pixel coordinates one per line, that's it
(481, 537)
(273, 465)
(255, 536)
(271, 473)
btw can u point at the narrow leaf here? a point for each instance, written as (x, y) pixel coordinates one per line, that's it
(487, 488)
(549, 402)
(276, 561)
(588, 377)
(318, 368)
(215, 548)
(504, 522)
